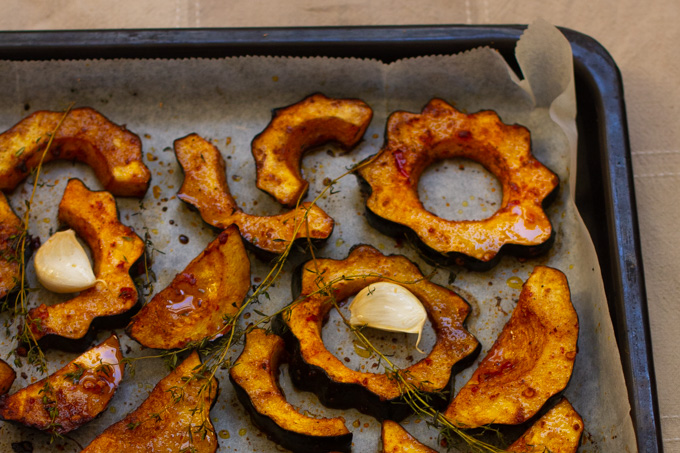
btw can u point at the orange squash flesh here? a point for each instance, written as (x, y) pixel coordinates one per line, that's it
(558, 431)
(205, 187)
(315, 368)
(313, 121)
(195, 304)
(7, 376)
(10, 230)
(182, 401)
(531, 360)
(113, 152)
(115, 248)
(255, 379)
(396, 439)
(415, 141)
(76, 393)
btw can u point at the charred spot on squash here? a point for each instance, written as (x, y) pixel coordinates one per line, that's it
(113, 152)
(315, 368)
(175, 416)
(72, 396)
(530, 362)
(205, 187)
(10, 260)
(558, 431)
(115, 249)
(199, 299)
(293, 130)
(255, 379)
(415, 141)
(7, 376)
(396, 439)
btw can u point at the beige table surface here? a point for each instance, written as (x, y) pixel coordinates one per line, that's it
(642, 36)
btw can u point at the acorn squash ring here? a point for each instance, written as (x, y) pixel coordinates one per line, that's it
(316, 369)
(415, 141)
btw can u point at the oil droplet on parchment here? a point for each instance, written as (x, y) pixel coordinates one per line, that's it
(515, 282)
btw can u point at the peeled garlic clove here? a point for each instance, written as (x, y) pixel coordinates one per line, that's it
(388, 306)
(62, 266)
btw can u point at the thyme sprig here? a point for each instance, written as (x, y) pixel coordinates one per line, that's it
(26, 336)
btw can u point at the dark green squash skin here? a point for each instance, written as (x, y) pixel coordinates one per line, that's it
(339, 395)
(397, 230)
(296, 442)
(78, 345)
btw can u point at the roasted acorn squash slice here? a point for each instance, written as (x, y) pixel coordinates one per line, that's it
(175, 417)
(72, 396)
(396, 439)
(558, 431)
(313, 121)
(255, 377)
(113, 152)
(531, 360)
(414, 141)
(199, 300)
(115, 248)
(315, 368)
(7, 376)
(10, 231)
(205, 187)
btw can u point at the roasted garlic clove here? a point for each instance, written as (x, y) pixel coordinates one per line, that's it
(388, 306)
(62, 265)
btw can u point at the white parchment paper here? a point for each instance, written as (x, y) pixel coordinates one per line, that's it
(229, 101)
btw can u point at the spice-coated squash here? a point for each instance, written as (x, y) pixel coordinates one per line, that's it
(72, 396)
(199, 300)
(7, 376)
(175, 417)
(115, 248)
(414, 141)
(113, 152)
(531, 360)
(558, 431)
(396, 439)
(10, 231)
(315, 368)
(255, 377)
(205, 187)
(313, 121)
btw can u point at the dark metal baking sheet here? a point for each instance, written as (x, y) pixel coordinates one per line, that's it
(604, 191)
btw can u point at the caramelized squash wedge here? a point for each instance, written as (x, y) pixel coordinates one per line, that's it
(199, 299)
(113, 152)
(315, 368)
(115, 248)
(7, 377)
(415, 141)
(255, 377)
(10, 230)
(531, 360)
(293, 130)
(558, 431)
(205, 187)
(396, 439)
(175, 417)
(72, 396)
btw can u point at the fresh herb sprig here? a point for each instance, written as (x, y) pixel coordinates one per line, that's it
(26, 337)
